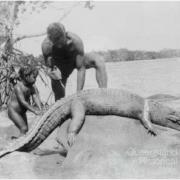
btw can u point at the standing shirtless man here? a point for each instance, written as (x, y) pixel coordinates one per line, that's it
(63, 52)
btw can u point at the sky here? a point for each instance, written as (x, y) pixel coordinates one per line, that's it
(110, 25)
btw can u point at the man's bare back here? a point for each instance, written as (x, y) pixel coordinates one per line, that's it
(66, 51)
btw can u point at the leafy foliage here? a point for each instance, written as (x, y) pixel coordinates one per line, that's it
(11, 14)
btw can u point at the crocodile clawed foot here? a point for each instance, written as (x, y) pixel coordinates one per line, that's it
(61, 148)
(71, 138)
(152, 132)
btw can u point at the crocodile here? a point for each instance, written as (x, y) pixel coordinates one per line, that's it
(97, 102)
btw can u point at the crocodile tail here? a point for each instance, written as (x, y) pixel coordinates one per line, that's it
(4, 152)
(12, 146)
(40, 130)
(43, 128)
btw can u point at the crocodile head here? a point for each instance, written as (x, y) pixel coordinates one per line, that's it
(174, 117)
(173, 120)
(164, 115)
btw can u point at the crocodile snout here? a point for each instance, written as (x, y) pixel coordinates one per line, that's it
(174, 117)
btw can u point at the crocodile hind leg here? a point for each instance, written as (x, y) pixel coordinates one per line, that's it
(78, 117)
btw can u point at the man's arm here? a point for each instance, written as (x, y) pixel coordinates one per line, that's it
(52, 71)
(21, 99)
(80, 65)
(81, 72)
(46, 47)
(49, 61)
(36, 98)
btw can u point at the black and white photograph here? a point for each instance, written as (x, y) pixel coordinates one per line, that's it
(89, 89)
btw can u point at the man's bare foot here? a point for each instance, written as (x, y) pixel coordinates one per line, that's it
(14, 137)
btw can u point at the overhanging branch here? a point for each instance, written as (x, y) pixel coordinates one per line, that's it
(28, 36)
(44, 33)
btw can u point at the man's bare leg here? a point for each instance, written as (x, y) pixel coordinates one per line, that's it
(20, 121)
(58, 89)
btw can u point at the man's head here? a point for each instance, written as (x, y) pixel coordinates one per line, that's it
(28, 74)
(57, 34)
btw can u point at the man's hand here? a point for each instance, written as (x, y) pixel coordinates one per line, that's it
(55, 74)
(38, 113)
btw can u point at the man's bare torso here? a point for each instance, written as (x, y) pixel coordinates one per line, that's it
(27, 92)
(64, 58)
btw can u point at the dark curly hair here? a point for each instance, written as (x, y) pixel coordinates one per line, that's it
(27, 70)
(56, 31)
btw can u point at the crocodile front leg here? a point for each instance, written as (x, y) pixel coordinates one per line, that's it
(77, 120)
(146, 119)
